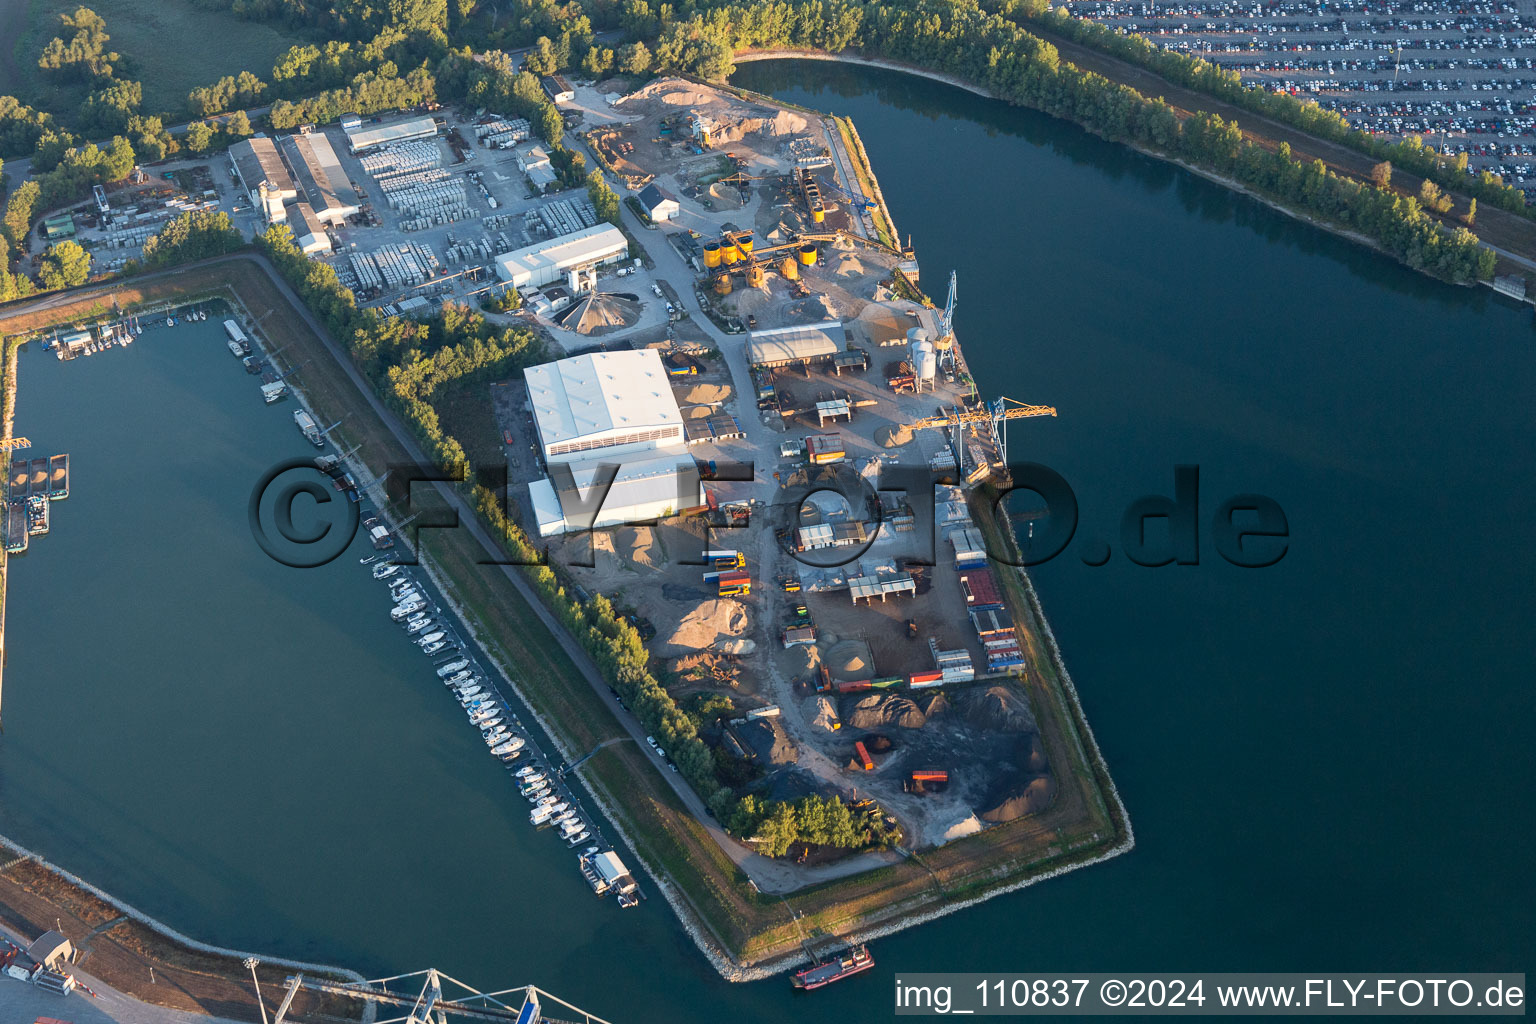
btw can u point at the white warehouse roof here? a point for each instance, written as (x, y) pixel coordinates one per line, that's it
(379, 135)
(647, 486)
(603, 399)
(804, 343)
(544, 262)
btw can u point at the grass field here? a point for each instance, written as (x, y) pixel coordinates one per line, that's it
(173, 45)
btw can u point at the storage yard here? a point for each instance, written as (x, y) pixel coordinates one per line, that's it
(1462, 75)
(864, 645)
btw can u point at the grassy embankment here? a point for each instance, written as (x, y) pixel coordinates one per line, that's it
(750, 926)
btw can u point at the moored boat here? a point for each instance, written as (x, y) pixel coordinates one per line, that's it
(834, 968)
(444, 671)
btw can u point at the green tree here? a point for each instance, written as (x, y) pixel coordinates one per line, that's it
(1381, 174)
(634, 59)
(1470, 216)
(18, 211)
(199, 136)
(64, 265)
(238, 124)
(778, 831)
(597, 61)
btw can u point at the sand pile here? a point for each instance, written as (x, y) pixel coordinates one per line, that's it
(850, 660)
(997, 708)
(636, 545)
(741, 645)
(601, 312)
(727, 197)
(894, 437)
(966, 826)
(707, 623)
(826, 715)
(850, 266)
(697, 412)
(704, 394)
(877, 712)
(933, 705)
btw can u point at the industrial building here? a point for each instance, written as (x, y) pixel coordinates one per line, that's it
(263, 176)
(533, 161)
(361, 139)
(645, 488)
(546, 262)
(308, 229)
(660, 205)
(796, 346)
(608, 408)
(558, 88)
(617, 401)
(321, 178)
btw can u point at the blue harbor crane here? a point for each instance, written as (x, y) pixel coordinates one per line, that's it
(853, 197)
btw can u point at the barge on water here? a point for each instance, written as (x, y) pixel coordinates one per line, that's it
(46, 478)
(825, 971)
(16, 526)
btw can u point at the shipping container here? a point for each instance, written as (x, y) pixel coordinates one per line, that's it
(854, 686)
(862, 756)
(980, 589)
(886, 682)
(921, 679)
(991, 622)
(724, 559)
(930, 775)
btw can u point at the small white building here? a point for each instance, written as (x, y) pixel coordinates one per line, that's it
(308, 229)
(660, 205)
(533, 161)
(547, 262)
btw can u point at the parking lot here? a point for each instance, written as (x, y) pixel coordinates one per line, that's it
(1461, 74)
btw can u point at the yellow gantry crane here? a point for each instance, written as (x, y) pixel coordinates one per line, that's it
(14, 444)
(997, 414)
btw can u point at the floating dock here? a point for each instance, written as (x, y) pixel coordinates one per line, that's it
(37, 477)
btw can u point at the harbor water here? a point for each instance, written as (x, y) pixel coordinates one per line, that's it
(1326, 761)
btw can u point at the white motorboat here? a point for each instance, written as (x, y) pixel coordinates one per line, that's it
(506, 748)
(533, 780)
(468, 692)
(431, 638)
(527, 770)
(571, 827)
(417, 625)
(402, 588)
(403, 611)
(505, 742)
(578, 840)
(460, 678)
(367, 559)
(384, 570)
(406, 594)
(481, 715)
(491, 725)
(535, 792)
(437, 648)
(444, 671)
(540, 815)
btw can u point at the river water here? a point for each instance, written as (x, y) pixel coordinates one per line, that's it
(1327, 761)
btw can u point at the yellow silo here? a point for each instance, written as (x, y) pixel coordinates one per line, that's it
(808, 254)
(744, 243)
(818, 214)
(712, 254)
(723, 284)
(789, 268)
(729, 250)
(755, 276)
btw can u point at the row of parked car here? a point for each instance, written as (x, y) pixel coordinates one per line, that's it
(1443, 68)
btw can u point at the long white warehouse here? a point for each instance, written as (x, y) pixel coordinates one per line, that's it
(644, 488)
(547, 262)
(616, 402)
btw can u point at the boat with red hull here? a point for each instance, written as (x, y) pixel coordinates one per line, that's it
(834, 968)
